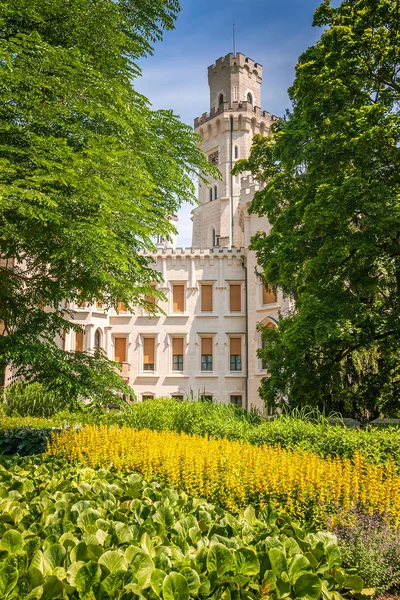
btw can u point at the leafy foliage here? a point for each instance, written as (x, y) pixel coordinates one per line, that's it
(83, 533)
(331, 173)
(377, 446)
(89, 174)
(234, 474)
(367, 541)
(33, 399)
(25, 441)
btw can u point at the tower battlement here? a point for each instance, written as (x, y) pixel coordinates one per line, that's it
(238, 60)
(244, 108)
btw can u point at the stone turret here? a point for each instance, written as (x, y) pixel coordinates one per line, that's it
(234, 78)
(227, 132)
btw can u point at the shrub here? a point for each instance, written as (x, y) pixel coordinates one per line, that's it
(25, 441)
(234, 474)
(33, 399)
(378, 446)
(369, 544)
(76, 532)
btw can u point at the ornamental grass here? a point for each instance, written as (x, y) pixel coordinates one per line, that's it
(236, 474)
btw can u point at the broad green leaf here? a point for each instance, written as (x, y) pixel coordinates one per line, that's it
(12, 542)
(147, 545)
(35, 594)
(113, 561)
(113, 582)
(298, 565)
(52, 588)
(354, 582)
(143, 567)
(250, 515)
(8, 580)
(269, 582)
(193, 580)
(220, 559)
(39, 563)
(54, 555)
(124, 533)
(175, 587)
(278, 561)
(164, 515)
(308, 585)
(333, 556)
(247, 561)
(156, 581)
(73, 570)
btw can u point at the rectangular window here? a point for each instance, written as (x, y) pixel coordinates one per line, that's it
(81, 303)
(206, 354)
(150, 299)
(120, 349)
(177, 354)
(147, 397)
(236, 400)
(148, 354)
(206, 398)
(235, 297)
(178, 298)
(79, 341)
(236, 354)
(178, 397)
(206, 297)
(268, 295)
(121, 307)
(264, 364)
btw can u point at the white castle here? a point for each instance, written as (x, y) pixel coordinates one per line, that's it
(205, 343)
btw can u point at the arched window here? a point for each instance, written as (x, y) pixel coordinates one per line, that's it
(249, 98)
(211, 194)
(215, 192)
(236, 152)
(97, 340)
(221, 99)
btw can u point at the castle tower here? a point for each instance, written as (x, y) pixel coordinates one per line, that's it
(227, 131)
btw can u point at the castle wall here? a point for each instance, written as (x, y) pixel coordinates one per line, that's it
(190, 267)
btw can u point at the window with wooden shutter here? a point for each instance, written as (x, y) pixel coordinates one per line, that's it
(235, 297)
(206, 297)
(269, 295)
(81, 303)
(206, 354)
(178, 298)
(120, 349)
(79, 341)
(151, 299)
(177, 354)
(121, 307)
(236, 354)
(148, 354)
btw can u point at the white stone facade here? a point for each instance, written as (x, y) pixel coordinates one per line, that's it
(204, 343)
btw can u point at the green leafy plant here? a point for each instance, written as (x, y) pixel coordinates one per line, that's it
(35, 400)
(295, 431)
(74, 532)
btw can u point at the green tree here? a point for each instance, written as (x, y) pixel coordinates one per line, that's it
(331, 172)
(88, 173)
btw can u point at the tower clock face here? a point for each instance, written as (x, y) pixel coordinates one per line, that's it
(213, 157)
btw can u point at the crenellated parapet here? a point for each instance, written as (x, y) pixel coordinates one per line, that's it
(193, 252)
(238, 60)
(237, 108)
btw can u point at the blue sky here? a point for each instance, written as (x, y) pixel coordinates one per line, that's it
(272, 32)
